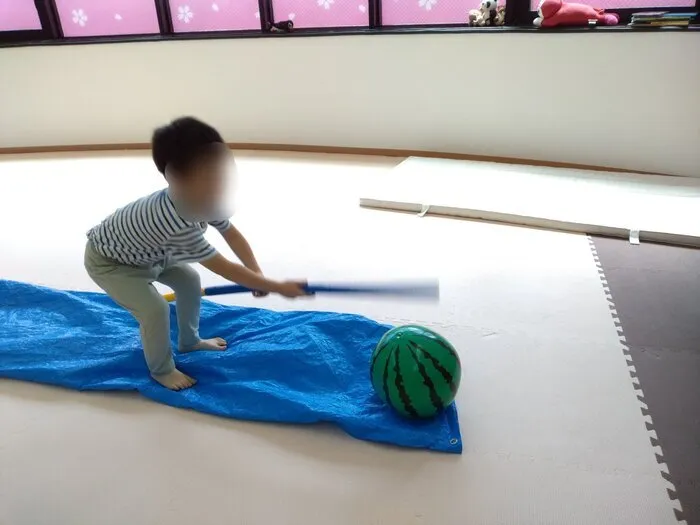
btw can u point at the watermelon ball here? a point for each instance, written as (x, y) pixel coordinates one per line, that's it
(416, 371)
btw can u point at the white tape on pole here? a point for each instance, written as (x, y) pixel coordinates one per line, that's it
(634, 236)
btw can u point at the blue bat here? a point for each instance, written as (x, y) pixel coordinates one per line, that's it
(419, 290)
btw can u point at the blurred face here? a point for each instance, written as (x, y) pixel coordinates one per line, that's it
(204, 185)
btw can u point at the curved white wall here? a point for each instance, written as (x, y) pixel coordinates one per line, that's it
(614, 99)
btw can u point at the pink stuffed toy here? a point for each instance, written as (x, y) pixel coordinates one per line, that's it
(559, 13)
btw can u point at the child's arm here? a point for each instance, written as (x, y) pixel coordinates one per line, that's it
(251, 279)
(241, 248)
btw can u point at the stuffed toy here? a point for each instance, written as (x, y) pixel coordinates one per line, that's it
(476, 18)
(286, 26)
(554, 13)
(498, 17)
(488, 14)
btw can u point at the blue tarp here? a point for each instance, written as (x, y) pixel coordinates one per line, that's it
(291, 367)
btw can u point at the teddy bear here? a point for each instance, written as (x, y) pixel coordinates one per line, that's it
(488, 14)
(498, 17)
(476, 18)
(554, 13)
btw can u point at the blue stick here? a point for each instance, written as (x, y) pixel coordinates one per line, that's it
(423, 289)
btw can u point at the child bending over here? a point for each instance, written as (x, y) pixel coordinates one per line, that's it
(156, 237)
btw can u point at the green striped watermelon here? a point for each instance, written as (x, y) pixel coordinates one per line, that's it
(415, 370)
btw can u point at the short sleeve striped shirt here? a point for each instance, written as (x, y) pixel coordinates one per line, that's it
(150, 230)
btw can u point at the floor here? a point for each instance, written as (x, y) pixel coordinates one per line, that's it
(552, 427)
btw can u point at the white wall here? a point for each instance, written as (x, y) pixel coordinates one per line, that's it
(614, 99)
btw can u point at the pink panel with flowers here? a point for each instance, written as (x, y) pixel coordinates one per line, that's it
(214, 15)
(107, 17)
(322, 13)
(426, 12)
(642, 5)
(18, 15)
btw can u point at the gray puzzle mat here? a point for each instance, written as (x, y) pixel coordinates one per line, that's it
(655, 291)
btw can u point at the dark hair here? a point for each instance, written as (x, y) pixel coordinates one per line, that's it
(182, 142)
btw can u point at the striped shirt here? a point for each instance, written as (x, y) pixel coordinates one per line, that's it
(151, 231)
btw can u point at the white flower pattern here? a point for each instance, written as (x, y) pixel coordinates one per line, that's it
(184, 14)
(80, 17)
(326, 4)
(214, 7)
(427, 4)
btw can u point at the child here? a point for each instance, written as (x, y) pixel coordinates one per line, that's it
(155, 237)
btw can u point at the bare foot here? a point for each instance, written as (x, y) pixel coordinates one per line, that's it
(215, 343)
(175, 380)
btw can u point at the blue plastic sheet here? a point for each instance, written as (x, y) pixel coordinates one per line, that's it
(291, 367)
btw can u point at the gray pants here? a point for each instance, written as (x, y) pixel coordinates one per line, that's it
(132, 287)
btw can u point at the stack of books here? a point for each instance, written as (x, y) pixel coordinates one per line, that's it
(661, 19)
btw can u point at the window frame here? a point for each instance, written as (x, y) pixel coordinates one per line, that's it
(519, 17)
(50, 26)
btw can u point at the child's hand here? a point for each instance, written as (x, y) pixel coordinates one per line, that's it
(258, 293)
(292, 289)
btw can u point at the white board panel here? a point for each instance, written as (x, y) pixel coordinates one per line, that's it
(602, 201)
